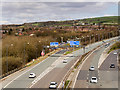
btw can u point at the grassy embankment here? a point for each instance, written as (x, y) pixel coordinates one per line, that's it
(115, 47)
(17, 51)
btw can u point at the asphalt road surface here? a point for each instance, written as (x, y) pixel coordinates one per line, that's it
(52, 67)
(61, 69)
(56, 74)
(85, 75)
(107, 77)
(24, 81)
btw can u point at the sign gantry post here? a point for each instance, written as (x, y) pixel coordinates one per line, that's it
(74, 43)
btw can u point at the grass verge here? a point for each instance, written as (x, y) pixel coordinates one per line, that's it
(66, 83)
(114, 47)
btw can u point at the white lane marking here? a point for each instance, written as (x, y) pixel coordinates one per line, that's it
(29, 70)
(47, 71)
(87, 78)
(21, 70)
(26, 72)
(87, 57)
(117, 59)
(82, 65)
(23, 73)
(41, 75)
(67, 73)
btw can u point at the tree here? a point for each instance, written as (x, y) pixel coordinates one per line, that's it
(11, 30)
(23, 29)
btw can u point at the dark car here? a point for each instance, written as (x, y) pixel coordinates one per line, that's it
(112, 66)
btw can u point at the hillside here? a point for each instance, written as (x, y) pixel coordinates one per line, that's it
(97, 20)
(103, 20)
(108, 19)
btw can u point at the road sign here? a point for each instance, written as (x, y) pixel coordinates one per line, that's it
(53, 43)
(74, 43)
(42, 53)
(48, 46)
(71, 46)
(68, 41)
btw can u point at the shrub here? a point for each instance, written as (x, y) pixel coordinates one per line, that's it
(13, 62)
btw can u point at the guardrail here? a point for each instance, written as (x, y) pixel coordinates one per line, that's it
(119, 60)
(81, 61)
(10, 72)
(28, 64)
(71, 69)
(17, 69)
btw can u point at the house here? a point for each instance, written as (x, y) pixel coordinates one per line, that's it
(32, 35)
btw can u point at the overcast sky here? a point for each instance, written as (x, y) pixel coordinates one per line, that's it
(21, 12)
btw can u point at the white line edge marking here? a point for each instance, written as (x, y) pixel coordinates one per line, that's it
(66, 73)
(50, 68)
(25, 72)
(82, 65)
(34, 67)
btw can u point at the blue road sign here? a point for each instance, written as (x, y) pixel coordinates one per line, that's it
(77, 43)
(74, 43)
(53, 43)
(71, 46)
(71, 42)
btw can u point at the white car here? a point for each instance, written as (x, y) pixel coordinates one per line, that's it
(93, 80)
(115, 53)
(53, 85)
(92, 68)
(32, 75)
(112, 65)
(65, 61)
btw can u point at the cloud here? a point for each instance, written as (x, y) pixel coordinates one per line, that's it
(109, 15)
(60, 1)
(19, 12)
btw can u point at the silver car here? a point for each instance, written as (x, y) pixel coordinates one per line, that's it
(53, 85)
(65, 61)
(93, 80)
(92, 68)
(32, 75)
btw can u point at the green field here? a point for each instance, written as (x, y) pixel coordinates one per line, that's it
(103, 20)
(108, 19)
(35, 24)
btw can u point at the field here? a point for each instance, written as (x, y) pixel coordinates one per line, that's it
(109, 19)
(17, 50)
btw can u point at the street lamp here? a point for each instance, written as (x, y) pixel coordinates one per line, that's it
(99, 37)
(80, 42)
(119, 33)
(24, 52)
(95, 37)
(88, 37)
(91, 37)
(7, 56)
(62, 39)
(102, 36)
(83, 39)
(37, 48)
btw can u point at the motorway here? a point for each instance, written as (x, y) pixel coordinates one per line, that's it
(51, 69)
(22, 80)
(107, 77)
